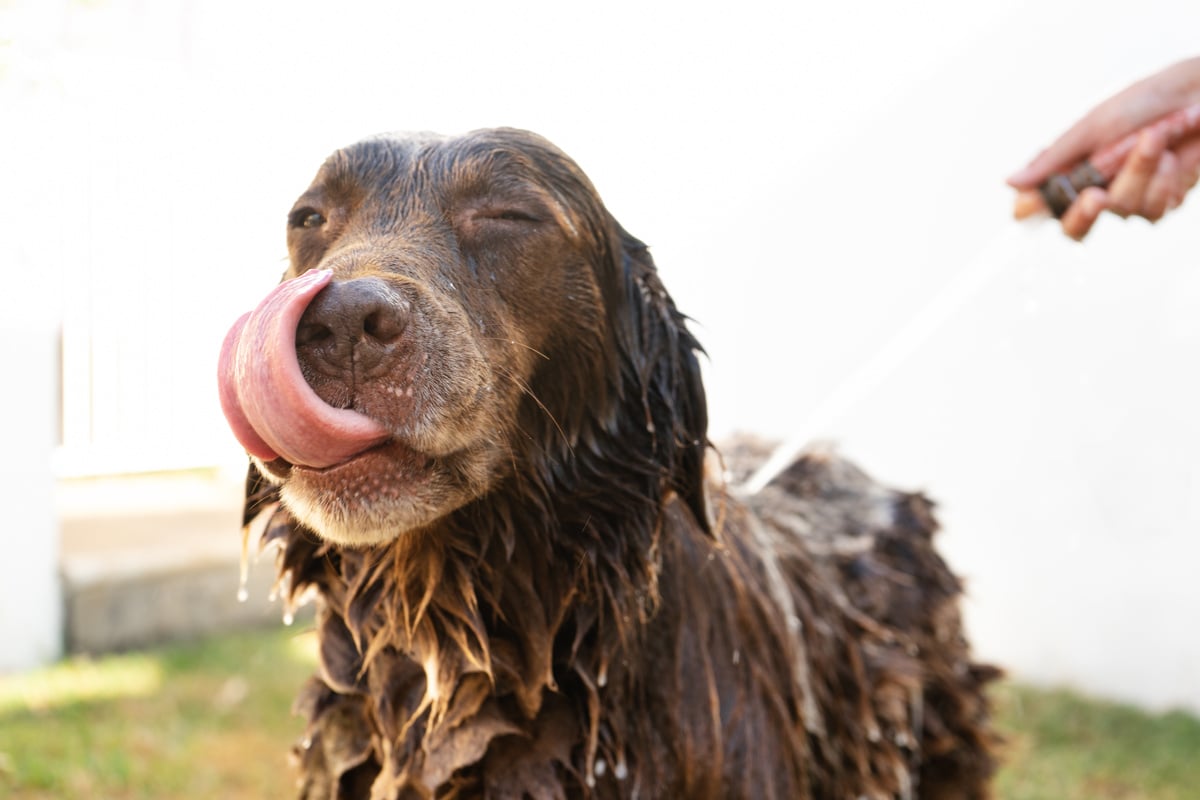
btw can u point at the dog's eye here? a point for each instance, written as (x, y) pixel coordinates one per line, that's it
(306, 218)
(518, 216)
(509, 215)
(497, 218)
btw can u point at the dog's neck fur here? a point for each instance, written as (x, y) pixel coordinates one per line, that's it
(467, 631)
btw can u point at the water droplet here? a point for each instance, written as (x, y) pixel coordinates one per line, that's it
(244, 568)
(288, 618)
(600, 768)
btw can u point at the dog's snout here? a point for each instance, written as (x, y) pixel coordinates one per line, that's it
(351, 326)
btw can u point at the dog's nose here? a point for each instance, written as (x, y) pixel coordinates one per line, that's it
(351, 327)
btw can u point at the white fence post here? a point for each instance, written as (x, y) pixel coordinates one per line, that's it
(31, 616)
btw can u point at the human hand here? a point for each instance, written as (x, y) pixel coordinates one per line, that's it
(1144, 145)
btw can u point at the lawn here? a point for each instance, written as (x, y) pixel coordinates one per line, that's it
(209, 720)
(212, 720)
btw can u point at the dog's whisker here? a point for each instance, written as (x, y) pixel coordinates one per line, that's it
(528, 391)
(517, 344)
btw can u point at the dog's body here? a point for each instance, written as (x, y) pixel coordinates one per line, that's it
(528, 585)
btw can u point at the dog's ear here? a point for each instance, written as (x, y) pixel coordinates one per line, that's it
(661, 356)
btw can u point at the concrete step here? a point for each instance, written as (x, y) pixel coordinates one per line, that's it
(152, 559)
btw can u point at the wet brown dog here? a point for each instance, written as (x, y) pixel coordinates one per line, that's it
(479, 435)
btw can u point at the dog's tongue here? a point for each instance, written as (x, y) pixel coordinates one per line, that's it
(272, 410)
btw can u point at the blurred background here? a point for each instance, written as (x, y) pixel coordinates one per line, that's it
(822, 187)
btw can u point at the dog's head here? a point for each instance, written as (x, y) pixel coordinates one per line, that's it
(458, 313)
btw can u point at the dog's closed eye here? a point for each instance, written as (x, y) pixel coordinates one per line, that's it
(509, 215)
(505, 213)
(499, 222)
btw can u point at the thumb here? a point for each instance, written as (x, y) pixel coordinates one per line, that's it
(1070, 148)
(1031, 175)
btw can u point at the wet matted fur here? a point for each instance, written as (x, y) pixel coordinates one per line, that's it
(581, 605)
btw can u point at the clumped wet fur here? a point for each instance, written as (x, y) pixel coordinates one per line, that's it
(598, 614)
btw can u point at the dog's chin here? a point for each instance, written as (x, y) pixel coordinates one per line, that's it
(378, 496)
(356, 528)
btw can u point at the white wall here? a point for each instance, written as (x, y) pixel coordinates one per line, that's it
(809, 175)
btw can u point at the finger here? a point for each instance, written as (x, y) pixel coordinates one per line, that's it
(1188, 153)
(1082, 214)
(1182, 172)
(1186, 172)
(1128, 188)
(1029, 203)
(1163, 189)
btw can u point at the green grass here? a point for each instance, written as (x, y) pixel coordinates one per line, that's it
(212, 720)
(1062, 746)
